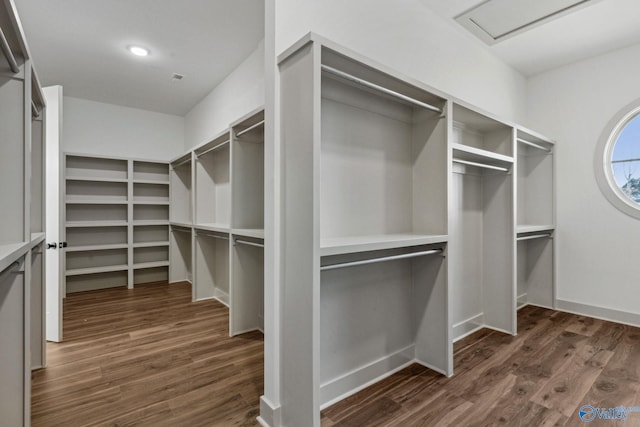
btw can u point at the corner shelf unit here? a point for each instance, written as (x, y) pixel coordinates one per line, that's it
(116, 221)
(409, 222)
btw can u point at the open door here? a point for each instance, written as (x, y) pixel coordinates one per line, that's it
(53, 260)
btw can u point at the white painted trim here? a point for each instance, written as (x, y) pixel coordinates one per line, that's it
(468, 326)
(602, 313)
(346, 385)
(270, 415)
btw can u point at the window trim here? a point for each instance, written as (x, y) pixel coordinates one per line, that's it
(602, 163)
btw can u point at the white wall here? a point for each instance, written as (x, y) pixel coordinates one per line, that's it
(597, 245)
(409, 37)
(239, 93)
(96, 128)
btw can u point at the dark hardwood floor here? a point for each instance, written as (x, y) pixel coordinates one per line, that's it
(150, 356)
(557, 363)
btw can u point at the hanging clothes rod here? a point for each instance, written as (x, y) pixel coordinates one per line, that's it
(215, 236)
(181, 163)
(245, 242)
(481, 165)
(34, 110)
(381, 259)
(378, 88)
(222, 144)
(11, 59)
(533, 144)
(9, 270)
(535, 236)
(250, 128)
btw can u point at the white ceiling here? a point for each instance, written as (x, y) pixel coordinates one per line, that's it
(601, 27)
(81, 45)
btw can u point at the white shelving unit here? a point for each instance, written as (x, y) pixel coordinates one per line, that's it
(365, 156)
(181, 254)
(22, 107)
(211, 263)
(181, 188)
(535, 220)
(411, 218)
(113, 205)
(481, 223)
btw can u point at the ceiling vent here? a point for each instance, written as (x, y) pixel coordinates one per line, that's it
(177, 77)
(496, 20)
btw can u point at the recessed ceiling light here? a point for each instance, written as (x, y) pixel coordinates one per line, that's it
(138, 51)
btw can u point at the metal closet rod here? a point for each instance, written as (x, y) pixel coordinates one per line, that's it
(535, 236)
(222, 144)
(9, 270)
(380, 259)
(11, 59)
(533, 144)
(250, 128)
(215, 236)
(246, 242)
(374, 86)
(34, 110)
(481, 165)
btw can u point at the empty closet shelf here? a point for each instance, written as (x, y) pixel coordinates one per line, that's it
(153, 264)
(353, 244)
(257, 233)
(95, 201)
(96, 247)
(181, 224)
(476, 155)
(11, 253)
(77, 224)
(151, 222)
(95, 179)
(157, 202)
(96, 270)
(220, 228)
(528, 229)
(150, 244)
(150, 181)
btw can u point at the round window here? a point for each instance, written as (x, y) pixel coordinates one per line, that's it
(618, 161)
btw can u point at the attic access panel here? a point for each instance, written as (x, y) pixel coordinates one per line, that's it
(496, 20)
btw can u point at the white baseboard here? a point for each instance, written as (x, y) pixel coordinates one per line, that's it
(270, 415)
(221, 296)
(467, 327)
(352, 382)
(610, 314)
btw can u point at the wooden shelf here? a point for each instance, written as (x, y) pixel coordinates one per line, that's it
(96, 247)
(220, 228)
(257, 233)
(96, 179)
(153, 264)
(472, 154)
(528, 229)
(151, 202)
(96, 270)
(347, 245)
(150, 182)
(95, 201)
(150, 222)
(150, 244)
(12, 252)
(77, 224)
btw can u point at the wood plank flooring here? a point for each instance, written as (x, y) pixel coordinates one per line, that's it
(148, 356)
(557, 363)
